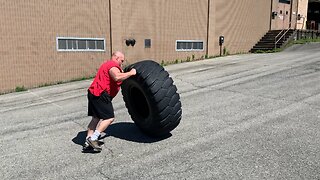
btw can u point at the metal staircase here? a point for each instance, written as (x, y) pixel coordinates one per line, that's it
(273, 39)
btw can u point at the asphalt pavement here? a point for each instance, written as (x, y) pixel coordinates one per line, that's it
(250, 116)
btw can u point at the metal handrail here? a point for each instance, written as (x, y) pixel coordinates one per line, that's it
(275, 39)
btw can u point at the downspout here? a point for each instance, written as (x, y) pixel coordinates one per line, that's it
(290, 18)
(208, 25)
(110, 25)
(297, 12)
(270, 26)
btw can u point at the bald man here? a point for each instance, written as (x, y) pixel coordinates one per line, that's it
(102, 90)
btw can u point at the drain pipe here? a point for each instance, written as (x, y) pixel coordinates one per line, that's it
(110, 25)
(297, 12)
(290, 17)
(208, 27)
(270, 25)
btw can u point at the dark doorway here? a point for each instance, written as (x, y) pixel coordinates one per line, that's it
(313, 22)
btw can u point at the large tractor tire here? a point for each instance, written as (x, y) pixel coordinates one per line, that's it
(152, 99)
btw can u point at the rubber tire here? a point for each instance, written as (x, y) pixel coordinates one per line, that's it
(152, 99)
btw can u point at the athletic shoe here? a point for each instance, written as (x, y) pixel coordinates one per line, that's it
(94, 144)
(86, 147)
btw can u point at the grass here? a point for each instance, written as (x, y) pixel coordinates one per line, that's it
(193, 58)
(268, 51)
(20, 89)
(306, 40)
(62, 82)
(188, 59)
(23, 88)
(302, 41)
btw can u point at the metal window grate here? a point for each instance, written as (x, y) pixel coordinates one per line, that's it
(189, 45)
(80, 44)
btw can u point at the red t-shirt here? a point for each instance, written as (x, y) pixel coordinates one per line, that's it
(104, 82)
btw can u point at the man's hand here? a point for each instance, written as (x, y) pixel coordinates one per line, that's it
(133, 71)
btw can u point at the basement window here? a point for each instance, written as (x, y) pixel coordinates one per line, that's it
(80, 44)
(285, 1)
(189, 45)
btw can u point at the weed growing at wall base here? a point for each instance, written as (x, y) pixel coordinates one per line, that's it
(268, 51)
(20, 88)
(307, 40)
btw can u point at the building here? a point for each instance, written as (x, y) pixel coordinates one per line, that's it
(313, 15)
(51, 41)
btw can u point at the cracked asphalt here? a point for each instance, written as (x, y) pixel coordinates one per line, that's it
(251, 116)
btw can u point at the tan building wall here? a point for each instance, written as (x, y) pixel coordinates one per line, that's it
(242, 23)
(28, 32)
(163, 22)
(302, 6)
(281, 21)
(29, 55)
(287, 14)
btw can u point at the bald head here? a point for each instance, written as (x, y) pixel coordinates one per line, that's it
(118, 57)
(117, 54)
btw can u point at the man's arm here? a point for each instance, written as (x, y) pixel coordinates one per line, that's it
(120, 76)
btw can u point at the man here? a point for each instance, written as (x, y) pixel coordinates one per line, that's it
(104, 87)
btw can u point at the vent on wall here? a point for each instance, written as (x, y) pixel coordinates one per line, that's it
(147, 43)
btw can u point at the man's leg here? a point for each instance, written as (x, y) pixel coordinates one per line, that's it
(92, 126)
(93, 140)
(101, 127)
(104, 124)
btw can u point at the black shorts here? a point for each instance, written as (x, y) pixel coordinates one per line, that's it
(100, 106)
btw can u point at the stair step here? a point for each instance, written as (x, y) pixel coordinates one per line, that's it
(267, 46)
(265, 49)
(267, 42)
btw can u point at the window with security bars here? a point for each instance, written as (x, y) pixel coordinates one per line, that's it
(80, 44)
(189, 45)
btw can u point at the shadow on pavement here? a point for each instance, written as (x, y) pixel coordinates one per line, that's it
(122, 130)
(130, 132)
(80, 138)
